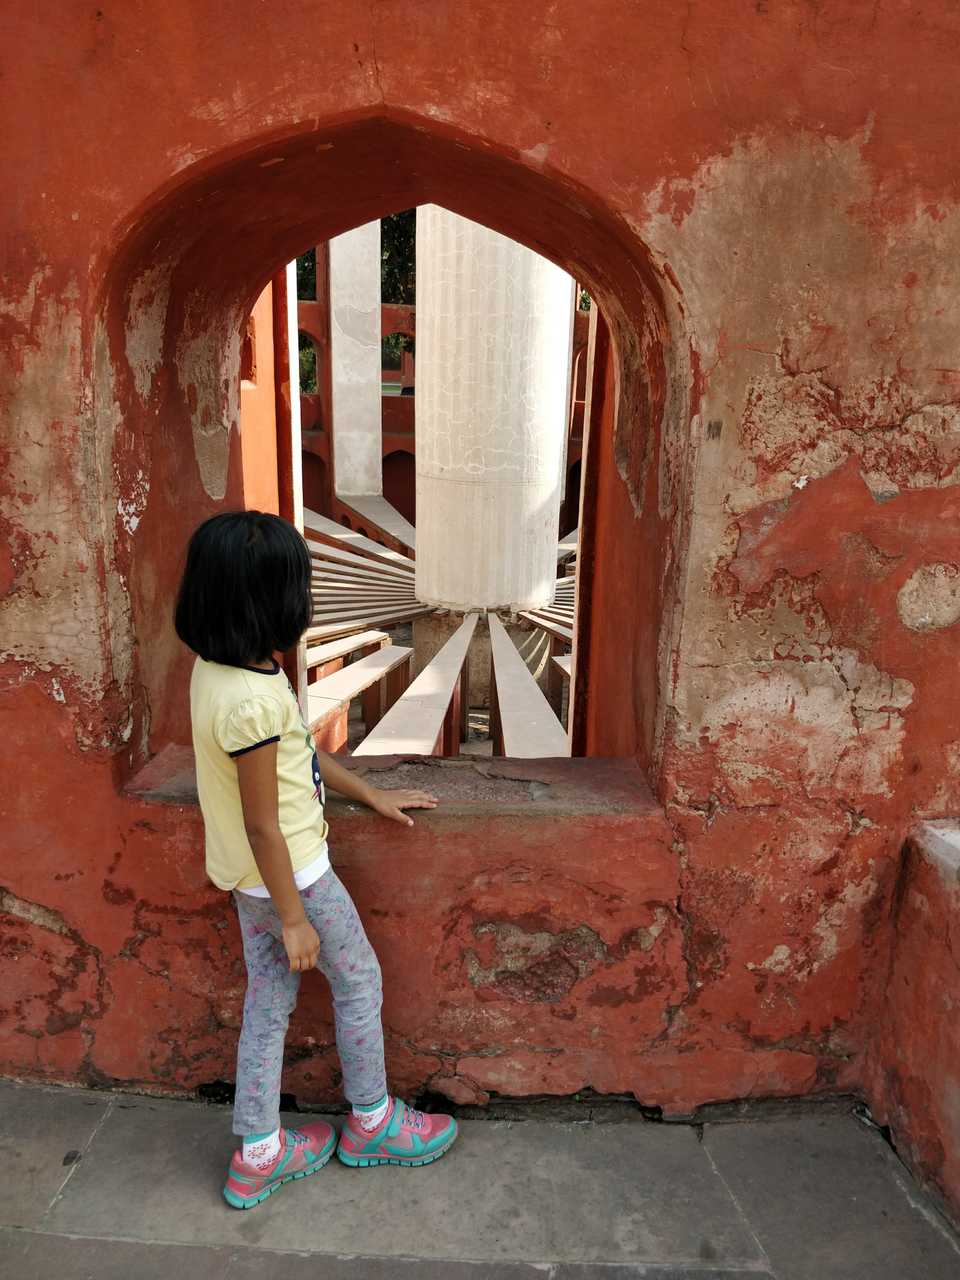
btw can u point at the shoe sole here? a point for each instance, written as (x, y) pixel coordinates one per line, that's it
(251, 1202)
(367, 1162)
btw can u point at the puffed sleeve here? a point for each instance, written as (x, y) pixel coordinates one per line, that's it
(250, 724)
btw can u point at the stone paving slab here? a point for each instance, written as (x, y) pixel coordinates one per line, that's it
(814, 1196)
(827, 1197)
(42, 1131)
(31, 1256)
(507, 1192)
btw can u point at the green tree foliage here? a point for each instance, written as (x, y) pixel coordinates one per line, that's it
(398, 276)
(308, 365)
(398, 261)
(398, 264)
(391, 348)
(307, 276)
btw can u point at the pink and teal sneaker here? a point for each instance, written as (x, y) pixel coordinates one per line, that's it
(302, 1152)
(404, 1136)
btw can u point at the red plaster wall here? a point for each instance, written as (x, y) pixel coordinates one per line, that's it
(316, 483)
(399, 422)
(400, 482)
(516, 973)
(763, 200)
(915, 1066)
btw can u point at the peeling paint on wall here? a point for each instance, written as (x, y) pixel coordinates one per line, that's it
(208, 371)
(146, 319)
(50, 615)
(808, 371)
(130, 509)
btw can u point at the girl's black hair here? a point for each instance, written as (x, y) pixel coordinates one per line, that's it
(245, 592)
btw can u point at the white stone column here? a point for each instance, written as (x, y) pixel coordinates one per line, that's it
(493, 355)
(355, 360)
(293, 350)
(296, 455)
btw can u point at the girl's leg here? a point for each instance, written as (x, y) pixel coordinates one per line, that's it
(351, 967)
(270, 999)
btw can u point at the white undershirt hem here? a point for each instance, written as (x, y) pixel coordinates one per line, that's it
(303, 878)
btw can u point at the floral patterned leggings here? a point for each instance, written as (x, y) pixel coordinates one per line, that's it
(350, 965)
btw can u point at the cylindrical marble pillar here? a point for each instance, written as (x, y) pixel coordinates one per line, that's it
(493, 359)
(355, 359)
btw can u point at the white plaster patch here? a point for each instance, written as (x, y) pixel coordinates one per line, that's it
(797, 427)
(131, 508)
(872, 689)
(930, 598)
(812, 369)
(182, 157)
(51, 617)
(538, 154)
(208, 371)
(779, 959)
(58, 621)
(436, 112)
(819, 337)
(836, 916)
(128, 517)
(118, 454)
(940, 842)
(820, 726)
(146, 318)
(946, 798)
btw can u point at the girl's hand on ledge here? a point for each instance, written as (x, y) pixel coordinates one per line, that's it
(391, 804)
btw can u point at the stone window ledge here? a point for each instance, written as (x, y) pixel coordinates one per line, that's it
(581, 786)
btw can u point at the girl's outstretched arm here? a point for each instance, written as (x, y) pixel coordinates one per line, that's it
(389, 803)
(257, 776)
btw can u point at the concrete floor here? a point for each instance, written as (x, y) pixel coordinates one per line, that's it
(111, 1186)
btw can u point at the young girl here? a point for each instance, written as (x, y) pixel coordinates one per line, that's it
(245, 596)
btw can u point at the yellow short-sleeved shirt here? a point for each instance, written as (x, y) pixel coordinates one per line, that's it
(234, 710)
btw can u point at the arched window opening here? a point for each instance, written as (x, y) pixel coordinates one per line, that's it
(400, 483)
(616, 668)
(316, 485)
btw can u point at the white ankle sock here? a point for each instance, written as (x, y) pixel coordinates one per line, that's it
(370, 1117)
(261, 1149)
